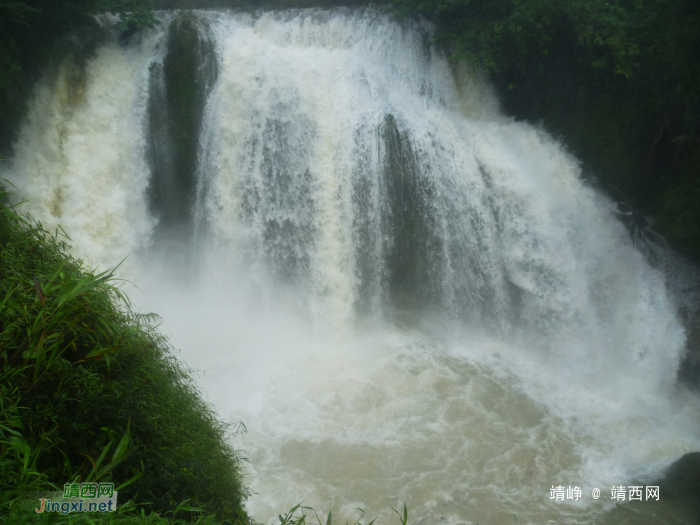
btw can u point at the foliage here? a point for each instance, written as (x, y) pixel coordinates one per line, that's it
(256, 4)
(133, 14)
(292, 518)
(404, 518)
(506, 33)
(89, 390)
(618, 81)
(124, 515)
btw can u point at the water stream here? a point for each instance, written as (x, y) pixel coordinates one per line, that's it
(404, 295)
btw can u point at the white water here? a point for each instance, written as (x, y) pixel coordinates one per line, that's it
(512, 339)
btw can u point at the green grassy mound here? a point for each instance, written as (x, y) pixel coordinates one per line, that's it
(90, 391)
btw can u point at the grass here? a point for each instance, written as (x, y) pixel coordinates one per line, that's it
(91, 391)
(291, 517)
(127, 515)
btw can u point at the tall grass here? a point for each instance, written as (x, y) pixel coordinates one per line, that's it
(90, 390)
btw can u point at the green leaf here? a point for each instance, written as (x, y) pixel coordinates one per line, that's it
(121, 451)
(130, 480)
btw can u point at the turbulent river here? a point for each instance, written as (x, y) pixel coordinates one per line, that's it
(403, 294)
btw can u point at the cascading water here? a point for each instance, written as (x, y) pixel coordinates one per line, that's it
(404, 295)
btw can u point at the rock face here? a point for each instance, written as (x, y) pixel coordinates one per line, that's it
(682, 481)
(179, 87)
(689, 369)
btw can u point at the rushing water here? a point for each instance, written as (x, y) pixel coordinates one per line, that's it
(405, 296)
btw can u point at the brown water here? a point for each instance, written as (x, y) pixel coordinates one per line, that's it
(406, 297)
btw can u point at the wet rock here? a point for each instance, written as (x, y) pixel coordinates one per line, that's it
(682, 480)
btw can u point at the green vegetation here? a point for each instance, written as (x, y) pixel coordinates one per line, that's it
(255, 4)
(123, 516)
(297, 515)
(618, 81)
(90, 391)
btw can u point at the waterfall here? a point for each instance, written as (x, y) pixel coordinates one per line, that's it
(405, 295)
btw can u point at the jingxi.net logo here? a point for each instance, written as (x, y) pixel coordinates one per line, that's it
(80, 497)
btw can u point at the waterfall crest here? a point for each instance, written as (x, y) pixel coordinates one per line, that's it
(403, 294)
